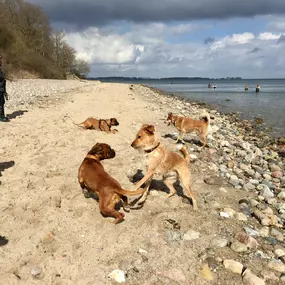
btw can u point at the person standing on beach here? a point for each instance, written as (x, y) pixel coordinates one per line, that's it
(3, 94)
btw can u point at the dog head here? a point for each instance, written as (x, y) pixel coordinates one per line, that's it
(170, 119)
(145, 138)
(114, 122)
(102, 151)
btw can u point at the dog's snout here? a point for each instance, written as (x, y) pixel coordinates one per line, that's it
(133, 144)
(112, 153)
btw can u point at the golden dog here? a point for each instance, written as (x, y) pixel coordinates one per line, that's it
(161, 161)
(187, 125)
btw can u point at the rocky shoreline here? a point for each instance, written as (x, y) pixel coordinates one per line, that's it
(246, 159)
(25, 93)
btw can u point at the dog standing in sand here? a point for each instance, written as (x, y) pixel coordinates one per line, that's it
(102, 125)
(94, 179)
(187, 125)
(161, 161)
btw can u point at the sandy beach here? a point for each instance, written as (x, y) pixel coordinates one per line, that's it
(57, 236)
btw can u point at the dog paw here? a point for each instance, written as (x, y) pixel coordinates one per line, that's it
(127, 208)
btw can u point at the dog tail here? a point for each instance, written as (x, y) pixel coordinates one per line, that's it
(78, 124)
(184, 151)
(130, 193)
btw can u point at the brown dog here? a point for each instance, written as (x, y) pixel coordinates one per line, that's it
(102, 125)
(188, 125)
(93, 178)
(161, 161)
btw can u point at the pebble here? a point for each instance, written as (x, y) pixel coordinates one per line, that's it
(234, 181)
(265, 191)
(274, 167)
(118, 275)
(277, 234)
(258, 169)
(224, 215)
(277, 265)
(279, 252)
(233, 266)
(230, 212)
(276, 174)
(237, 246)
(36, 271)
(269, 275)
(212, 263)
(267, 176)
(214, 180)
(206, 272)
(254, 181)
(248, 186)
(244, 238)
(250, 279)
(219, 242)
(251, 232)
(241, 217)
(191, 235)
(172, 235)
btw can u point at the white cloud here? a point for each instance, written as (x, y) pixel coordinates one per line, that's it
(235, 39)
(143, 50)
(268, 36)
(96, 47)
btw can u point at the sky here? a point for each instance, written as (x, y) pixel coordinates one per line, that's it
(166, 38)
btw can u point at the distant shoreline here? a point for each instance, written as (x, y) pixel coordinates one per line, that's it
(133, 79)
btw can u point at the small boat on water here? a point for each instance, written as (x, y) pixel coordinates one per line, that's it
(257, 89)
(245, 87)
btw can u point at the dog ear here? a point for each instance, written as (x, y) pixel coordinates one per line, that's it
(96, 149)
(149, 128)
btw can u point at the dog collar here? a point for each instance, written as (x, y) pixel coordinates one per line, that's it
(152, 149)
(91, 156)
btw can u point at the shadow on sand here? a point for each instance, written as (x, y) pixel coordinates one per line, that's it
(16, 114)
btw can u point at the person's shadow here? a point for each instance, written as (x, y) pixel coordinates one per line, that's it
(3, 241)
(16, 114)
(6, 165)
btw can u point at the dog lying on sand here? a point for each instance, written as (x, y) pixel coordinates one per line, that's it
(161, 161)
(101, 124)
(187, 125)
(94, 179)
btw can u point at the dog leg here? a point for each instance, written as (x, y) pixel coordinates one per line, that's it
(185, 179)
(107, 208)
(180, 138)
(168, 182)
(86, 193)
(145, 194)
(147, 177)
(126, 205)
(203, 139)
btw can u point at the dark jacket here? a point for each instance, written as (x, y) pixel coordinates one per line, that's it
(2, 87)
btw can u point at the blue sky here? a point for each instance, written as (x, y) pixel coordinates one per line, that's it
(155, 38)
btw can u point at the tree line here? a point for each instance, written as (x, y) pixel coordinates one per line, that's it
(28, 43)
